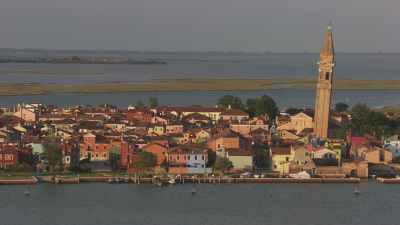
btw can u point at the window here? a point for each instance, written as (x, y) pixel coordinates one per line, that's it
(381, 156)
(287, 159)
(195, 157)
(327, 76)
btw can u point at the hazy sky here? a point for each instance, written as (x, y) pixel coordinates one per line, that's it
(200, 25)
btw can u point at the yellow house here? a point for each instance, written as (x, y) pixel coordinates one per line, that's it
(336, 146)
(287, 135)
(202, 136)
(157, 129)
(212, 113)
(281, 156)
(241, 160)
(297, 123)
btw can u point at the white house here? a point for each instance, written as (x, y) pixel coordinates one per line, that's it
(393, 144)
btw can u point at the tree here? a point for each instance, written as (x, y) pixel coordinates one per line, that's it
(212, 156)
(293, 111)
(114, 158)
(146, 160)
(165, 165)
(75, 157)
(222, 164)
(52, 152)
(227, 101)
(341, 107)
(366, 121)
(153, 102)
(139, 104)
(261, 106)
(261, 156)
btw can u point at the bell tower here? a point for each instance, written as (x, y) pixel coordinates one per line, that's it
(324, 86)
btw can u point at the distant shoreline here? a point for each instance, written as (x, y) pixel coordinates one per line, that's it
(21, 89)
(82, 60)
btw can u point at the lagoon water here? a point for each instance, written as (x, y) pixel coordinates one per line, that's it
(194, 66)
(284, 98)
(238, 204)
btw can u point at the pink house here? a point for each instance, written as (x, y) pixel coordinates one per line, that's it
(26, 114)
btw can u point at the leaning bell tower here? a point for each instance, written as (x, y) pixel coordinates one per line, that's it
(324, 86)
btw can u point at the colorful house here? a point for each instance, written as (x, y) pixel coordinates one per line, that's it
(187, 159)
(95, 147)
(375, 155)
(245, 127)
(297, 123)
(141, 115)
(281, 157)
(393, 144)
(226, 139)
(156, 129)
(234, 115)
(8, 156)
(159, 151)
(241, 159)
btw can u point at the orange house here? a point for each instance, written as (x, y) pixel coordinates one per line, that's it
(158, 150)
(94, 148)
(226, 139)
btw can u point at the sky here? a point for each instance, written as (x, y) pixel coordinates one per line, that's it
(200, 25)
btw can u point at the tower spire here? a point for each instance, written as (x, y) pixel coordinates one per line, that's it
(327, 48)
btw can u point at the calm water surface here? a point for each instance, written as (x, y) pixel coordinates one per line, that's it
(195, 66)
(248, 204)
(283, 97)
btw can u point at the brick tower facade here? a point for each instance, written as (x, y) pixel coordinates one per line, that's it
(324, 86)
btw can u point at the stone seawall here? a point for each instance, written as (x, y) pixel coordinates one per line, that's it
(26, 181)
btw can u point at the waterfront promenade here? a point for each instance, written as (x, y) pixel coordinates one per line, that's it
(166, 181)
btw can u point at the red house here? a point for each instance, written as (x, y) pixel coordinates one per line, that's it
(142, 115)
(8, 156)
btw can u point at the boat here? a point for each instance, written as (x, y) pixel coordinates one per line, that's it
(300, 175)
(171, 181)
(356, 191)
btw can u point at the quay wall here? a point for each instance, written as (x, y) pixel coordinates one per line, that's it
(27, 181)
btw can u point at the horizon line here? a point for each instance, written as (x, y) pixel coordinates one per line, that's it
(192, 51)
